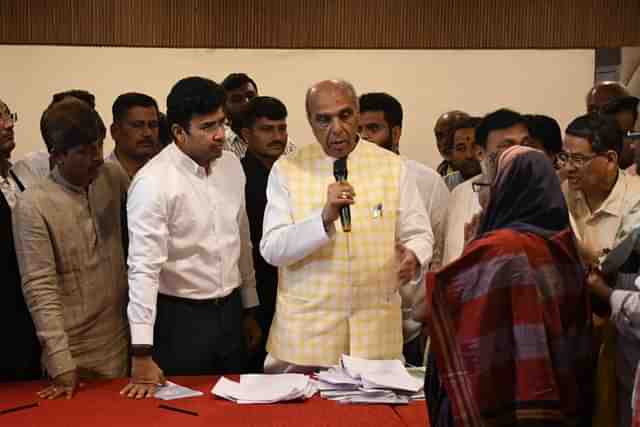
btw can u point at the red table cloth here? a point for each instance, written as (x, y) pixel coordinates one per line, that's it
(99, 404)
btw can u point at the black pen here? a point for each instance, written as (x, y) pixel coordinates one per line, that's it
(18, 408)
(183, 411)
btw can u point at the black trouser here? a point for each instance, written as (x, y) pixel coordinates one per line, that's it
(194, 337)
(413, 351)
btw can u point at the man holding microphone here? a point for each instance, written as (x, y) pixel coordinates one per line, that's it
(338, 289)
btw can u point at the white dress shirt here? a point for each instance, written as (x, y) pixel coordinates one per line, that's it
(189, 235)
(463, 205)
(285, 242)
(435, 197)
(32, 167)
(10, 189)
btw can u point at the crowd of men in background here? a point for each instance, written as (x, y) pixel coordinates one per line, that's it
(208, 242)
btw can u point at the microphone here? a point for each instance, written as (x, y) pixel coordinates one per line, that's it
(340, 172)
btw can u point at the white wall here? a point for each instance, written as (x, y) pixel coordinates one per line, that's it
(427, 82)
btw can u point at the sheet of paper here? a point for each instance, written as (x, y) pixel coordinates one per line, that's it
(259, 388)
(388, 374)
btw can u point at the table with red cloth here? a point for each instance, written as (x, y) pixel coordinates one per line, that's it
(99, 404)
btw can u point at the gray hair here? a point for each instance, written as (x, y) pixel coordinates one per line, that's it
(336, 85)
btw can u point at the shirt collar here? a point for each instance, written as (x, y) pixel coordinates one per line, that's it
(58, 178)
(189, 165)
(613, 204)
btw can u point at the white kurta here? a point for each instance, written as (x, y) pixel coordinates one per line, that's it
(331, 301)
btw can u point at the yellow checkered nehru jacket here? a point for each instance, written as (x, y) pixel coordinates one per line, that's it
(342, 298)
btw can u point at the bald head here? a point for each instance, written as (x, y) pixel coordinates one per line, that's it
(603, 93)
(333, 113)
(330, 87)
(443, 127)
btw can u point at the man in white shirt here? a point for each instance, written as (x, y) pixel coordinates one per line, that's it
(442, 131)
(495, 133)
(381, 123)
(240, 89)
(338, 289)
(134, 131)
(191, 278)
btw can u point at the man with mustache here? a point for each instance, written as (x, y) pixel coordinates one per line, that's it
(381, 123)
(338, 290)
(134, 131)
(442, 131)
(265, 130)
(240, 90)
(20, 361)
(496, 132)
(68, 230)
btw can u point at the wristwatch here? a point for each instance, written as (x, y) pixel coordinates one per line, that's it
(141, 350)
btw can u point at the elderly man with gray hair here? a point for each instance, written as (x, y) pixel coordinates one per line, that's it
(67, 230)
(338, 287)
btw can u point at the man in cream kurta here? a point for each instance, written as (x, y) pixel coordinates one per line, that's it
(338, 292)
(67, 230)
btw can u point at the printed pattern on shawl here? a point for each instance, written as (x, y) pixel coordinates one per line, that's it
(510, 329)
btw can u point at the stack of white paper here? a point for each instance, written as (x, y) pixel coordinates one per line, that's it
(369, 381)
(258, 388)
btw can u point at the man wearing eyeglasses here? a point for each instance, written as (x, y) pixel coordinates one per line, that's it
(495, 133)
(603, 200)
(240, 90)
(191, 277)
(20, 360)
(604, 203)
(134, 131)
(338, 290)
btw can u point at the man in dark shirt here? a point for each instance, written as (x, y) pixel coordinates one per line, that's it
(20, 357)
(265, 131)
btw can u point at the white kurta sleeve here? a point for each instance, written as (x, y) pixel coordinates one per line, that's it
(283, 241)
(413, 226)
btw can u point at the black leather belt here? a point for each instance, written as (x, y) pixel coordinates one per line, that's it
(212, 301)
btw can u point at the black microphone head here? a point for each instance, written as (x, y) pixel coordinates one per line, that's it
(340, 169)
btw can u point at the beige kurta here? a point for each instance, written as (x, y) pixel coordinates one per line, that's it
(343, 298)
(69, 247)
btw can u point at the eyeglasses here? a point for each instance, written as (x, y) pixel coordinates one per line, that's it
(8, 118)
(477, 186)
(577, 160)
